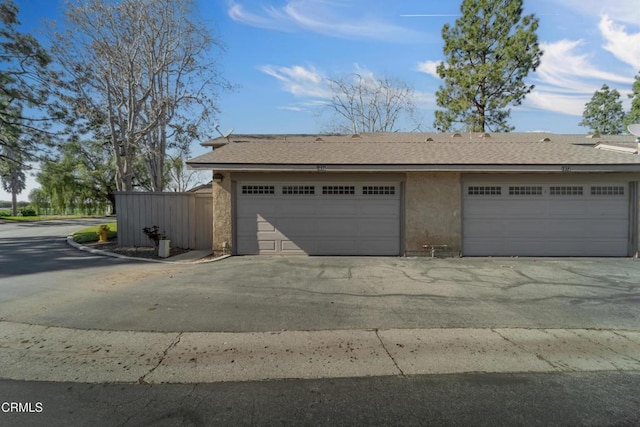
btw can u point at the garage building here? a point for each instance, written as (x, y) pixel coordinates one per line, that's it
(512, 194)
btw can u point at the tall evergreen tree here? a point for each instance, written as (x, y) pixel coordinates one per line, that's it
(604, 113)
(634, 114)
(489, 51)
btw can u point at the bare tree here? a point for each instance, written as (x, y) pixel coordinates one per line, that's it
(182, 179)
(368, 104)
(140, 74)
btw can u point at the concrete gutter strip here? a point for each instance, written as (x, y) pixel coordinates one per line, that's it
(32, 352)
(192, 257)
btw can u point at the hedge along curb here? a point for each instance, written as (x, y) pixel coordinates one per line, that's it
(77, 245)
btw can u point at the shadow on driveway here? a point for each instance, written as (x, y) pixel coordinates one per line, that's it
(30, 255)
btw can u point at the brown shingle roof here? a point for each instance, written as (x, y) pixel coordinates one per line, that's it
(384, 149)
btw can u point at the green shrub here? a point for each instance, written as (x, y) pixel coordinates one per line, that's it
(27, 212)
(5, 212)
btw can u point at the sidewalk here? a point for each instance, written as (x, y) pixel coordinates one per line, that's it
(39, 353)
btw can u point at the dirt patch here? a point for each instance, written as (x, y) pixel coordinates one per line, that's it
(148, 252)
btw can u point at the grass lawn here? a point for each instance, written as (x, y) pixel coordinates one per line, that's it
(43, 217)
(88, 234)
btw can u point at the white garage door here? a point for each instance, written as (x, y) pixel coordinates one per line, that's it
(318, 218)
(545, 219)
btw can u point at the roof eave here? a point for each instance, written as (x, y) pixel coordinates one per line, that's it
(246, 167)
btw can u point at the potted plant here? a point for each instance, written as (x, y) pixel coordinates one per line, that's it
(103, 233)
(159, 240)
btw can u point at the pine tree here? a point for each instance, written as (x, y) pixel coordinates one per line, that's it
(634, 114)
(489, 51)
(604, 113)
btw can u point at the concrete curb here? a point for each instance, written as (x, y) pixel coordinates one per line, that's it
(83, 248)
(40, 353)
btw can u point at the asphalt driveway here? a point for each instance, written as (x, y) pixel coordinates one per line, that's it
(58, 286)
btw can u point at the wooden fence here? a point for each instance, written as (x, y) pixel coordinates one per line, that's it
(185, 218)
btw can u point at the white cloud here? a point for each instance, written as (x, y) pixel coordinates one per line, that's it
(306, 106)
(299, 81)
(293, 108)
(324, 17)
(567, 78)
(623, 45)
(563, 65)
(238, 13)
(429, 67)
(312, 86)
(619, 10)
(544, 99)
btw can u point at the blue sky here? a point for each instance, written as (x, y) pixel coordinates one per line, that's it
(280, 52)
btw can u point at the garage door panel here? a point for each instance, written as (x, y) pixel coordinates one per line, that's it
(362, 221)
(297, 227)
(511, 228)
(340, 207)
(379, 227)
(568, 208)
(544, 247)
(561, 219)
(267, 245)
(616, 210)
(487, 208)
(265, 226)
(611, 228)
(379, 207)
(303, 207)
(287, 246)
(338, 226)
(383, 246)
(254, 204)
(336, 247)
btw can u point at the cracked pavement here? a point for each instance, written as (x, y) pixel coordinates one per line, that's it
(254, 294)
(70, 316)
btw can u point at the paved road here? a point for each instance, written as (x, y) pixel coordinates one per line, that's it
(39, 249)
(370, 304)
(44, 281)
(595, 399)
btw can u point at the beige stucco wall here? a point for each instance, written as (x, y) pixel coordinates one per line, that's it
(432, 207)
(433, 212)
(222, 215)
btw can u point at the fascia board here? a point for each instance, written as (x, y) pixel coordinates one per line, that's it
(238, 167)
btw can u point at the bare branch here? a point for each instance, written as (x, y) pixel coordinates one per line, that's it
(367, 104)
(140, 72)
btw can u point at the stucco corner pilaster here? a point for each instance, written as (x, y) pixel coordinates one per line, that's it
(222, 214)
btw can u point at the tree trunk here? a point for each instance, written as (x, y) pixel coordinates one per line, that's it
(112, 200)
(14, 203)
